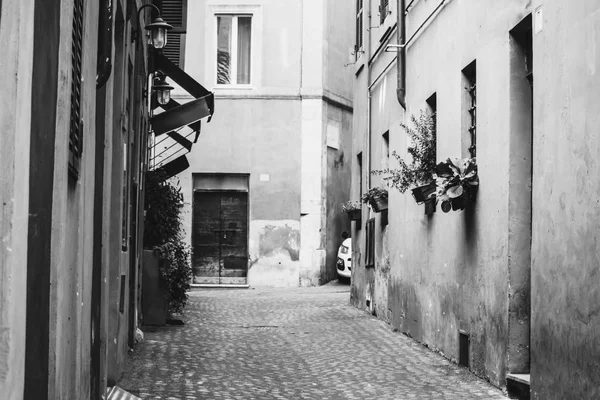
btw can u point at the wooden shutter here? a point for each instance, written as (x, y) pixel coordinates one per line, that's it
(359, 26)
(383, 10)
(174, 12)
(76, 123)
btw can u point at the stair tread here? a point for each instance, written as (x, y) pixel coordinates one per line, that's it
(522, 378)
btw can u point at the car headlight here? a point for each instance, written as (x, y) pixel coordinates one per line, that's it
(344, 250)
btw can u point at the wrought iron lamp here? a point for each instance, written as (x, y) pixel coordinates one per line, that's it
(158, 28)
(162, 89)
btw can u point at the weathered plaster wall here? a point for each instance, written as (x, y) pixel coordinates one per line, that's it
(338, 41)
(566, 214)
(16, 32)
(339, 178)
(338, 38)
(72, 246)
(277, 33)
(276, 130)
(261, 140)
(448, 271)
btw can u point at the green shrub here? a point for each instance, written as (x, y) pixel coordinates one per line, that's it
(163, 233)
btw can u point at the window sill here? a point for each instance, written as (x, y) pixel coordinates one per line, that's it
(359, 69)
(233, 87)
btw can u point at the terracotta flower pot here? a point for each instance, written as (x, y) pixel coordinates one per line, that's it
(354, 215)
(422, 193)
(379, 203)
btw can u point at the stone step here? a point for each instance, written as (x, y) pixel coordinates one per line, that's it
(518, 386)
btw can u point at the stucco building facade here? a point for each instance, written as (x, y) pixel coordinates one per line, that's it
(76, 113)
(505, 287)
(263, 188)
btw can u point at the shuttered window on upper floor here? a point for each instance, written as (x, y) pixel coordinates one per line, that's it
(384, 10)
(359, 27)
(76, 123)
(174, 12)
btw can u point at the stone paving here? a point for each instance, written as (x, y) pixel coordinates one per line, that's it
(300, 343)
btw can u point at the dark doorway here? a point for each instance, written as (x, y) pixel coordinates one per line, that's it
(520, 195)
(46, 41)
(220, 237)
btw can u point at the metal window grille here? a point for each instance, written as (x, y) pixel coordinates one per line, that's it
(359, 26)
(472, 90)
(76, 123)
(370, 250)
(384, 8)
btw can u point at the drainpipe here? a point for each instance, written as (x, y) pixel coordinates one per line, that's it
(401, 64)
(367, 55)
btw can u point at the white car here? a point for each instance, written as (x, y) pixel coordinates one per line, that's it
(344, 260)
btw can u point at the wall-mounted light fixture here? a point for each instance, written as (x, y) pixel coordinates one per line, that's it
(162, 89)
(158, 28)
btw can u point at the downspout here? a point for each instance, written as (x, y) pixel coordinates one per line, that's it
(401, 53)
(367, 55)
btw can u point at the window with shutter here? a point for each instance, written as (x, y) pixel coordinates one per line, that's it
(174, 12)
(76, 123)
(359, 26)
(370, 250)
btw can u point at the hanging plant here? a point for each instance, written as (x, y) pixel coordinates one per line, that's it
(353, 208)
(163, 233)
(418, 173)
(377, 198)
(457, 183)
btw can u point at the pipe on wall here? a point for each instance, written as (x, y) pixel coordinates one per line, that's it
(401, 55)
(367, 53)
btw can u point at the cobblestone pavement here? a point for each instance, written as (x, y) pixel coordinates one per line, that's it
(301, 343)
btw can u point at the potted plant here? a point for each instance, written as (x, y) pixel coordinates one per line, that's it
(418, 173)
(457, 183)
(377, 198)
(353, 208)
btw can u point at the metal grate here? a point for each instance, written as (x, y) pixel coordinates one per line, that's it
(470, 76)
(76, 123)
(370, 250)
(472, 89)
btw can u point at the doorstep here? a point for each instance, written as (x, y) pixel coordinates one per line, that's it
(518, 386)
(216, 285)
(116, 393)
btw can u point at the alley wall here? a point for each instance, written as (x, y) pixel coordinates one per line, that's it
(444, 274)
(16, 32)
(566, 214)
(287, 132)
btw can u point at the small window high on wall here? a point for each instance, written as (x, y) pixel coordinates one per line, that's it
(359, 27)
(234, 42)
(469, 107)
(76, 122)
(384, 10)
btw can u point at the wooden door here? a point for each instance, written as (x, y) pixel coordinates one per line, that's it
(220, 237)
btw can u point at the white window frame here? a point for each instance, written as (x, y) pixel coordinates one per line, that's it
(251, 10)
(234, 49)
(360, 14)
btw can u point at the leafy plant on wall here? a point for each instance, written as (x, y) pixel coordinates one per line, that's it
(457, 183)
(163, 233)
(419, 170)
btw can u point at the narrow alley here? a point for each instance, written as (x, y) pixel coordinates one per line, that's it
(297, 343)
